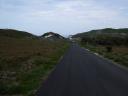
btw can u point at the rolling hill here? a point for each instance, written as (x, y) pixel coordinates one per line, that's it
(106, 31)
(15, 33)
(106, 36)
(52, 36)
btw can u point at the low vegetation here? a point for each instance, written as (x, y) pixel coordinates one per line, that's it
(118, 54)
(26, 62)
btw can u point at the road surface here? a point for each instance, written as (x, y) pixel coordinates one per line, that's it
(82, 73)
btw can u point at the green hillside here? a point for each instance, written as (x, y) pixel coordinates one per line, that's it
(107, 31)
(14, 33)
(105, 36)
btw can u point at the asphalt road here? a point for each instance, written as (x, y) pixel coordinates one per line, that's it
(81, 73)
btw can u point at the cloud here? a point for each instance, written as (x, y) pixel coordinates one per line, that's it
(63, 16)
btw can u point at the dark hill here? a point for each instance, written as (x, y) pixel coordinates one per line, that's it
(104, 36)
(15, 33)
(107, 31)
(52, 36)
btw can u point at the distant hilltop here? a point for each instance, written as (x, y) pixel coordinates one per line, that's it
(11, 33)
(103, 36)
(52, 36)
(104, 33)
(107, 31)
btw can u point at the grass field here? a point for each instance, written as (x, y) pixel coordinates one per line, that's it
(119, 54)
(26, 63)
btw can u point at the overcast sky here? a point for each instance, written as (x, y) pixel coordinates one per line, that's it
(65, 17)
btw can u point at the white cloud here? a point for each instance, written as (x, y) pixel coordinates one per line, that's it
(63, 16)
(77, 9)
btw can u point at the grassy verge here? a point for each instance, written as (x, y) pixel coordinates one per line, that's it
(119, 54)
(25, 63)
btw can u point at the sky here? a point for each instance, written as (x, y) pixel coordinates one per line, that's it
(66, 17)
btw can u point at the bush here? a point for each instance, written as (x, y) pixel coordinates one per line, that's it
(109, 49)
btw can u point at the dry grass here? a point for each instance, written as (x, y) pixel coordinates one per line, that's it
(120, 49)
(119, 54)
(24, 62)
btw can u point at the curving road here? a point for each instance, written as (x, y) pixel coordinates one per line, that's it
(82, 73)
